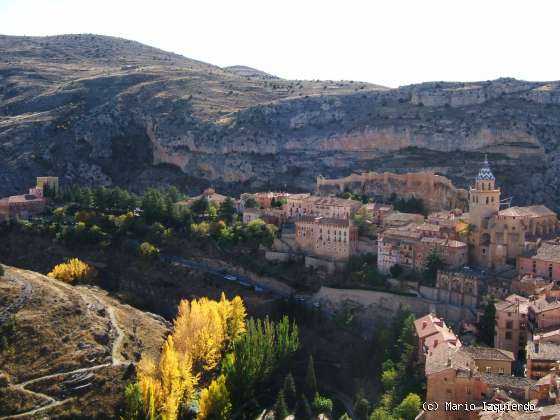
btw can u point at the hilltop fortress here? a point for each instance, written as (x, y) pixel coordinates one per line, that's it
(437, 192)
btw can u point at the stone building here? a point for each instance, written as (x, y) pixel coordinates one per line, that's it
(431, 332)
(544, 313)
(409, 247)
(511, 327)
(544, 262)
(333, 239)
(376, 212)
(499, 236)
(542, 356)
(458, 287)
(263, 199)
(50, 182)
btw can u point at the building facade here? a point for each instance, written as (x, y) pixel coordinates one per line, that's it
(333, 239)
(511, 328)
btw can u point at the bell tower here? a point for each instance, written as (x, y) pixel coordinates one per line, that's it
(484, 197)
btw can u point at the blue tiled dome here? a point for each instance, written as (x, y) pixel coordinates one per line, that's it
(485, 174)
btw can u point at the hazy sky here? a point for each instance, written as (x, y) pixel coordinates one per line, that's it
(390, 42)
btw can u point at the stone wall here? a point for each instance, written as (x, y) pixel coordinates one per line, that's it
(437, 192)
(384, 304)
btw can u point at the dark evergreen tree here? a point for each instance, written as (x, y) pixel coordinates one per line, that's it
(434, 262)
(310, 380)
(290, 391)
(280, 408)
(227, 211)
(486, 325)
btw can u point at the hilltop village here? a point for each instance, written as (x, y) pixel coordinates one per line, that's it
(496, 268)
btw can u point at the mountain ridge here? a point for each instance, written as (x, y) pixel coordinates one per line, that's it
(141, 118)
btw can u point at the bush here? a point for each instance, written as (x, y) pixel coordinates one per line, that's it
(321, 405)
(149, 251)
(74, 271)
(1, 270)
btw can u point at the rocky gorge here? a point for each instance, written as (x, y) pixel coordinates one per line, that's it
(102, 110)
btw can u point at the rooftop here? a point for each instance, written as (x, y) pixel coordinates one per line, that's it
(485, 174)
(529, 211)
(543, 351)
(548, 251)
(544, 304)
(489, 353)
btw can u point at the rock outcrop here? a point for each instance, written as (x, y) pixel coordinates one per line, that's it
(437, 191)
(102, 110)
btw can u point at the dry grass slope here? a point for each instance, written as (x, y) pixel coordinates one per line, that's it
(69, 342)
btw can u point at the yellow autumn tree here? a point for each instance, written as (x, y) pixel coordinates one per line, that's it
(167, 385)
(74, 270)
(204, 327)
(202, 330)
(215, 401)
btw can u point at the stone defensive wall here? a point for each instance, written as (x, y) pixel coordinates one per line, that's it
(437, 191)
(383, 304)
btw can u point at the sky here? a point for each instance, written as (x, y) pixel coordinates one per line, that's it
(390, 42)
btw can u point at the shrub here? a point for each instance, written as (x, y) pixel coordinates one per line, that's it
(149, 251)
(321, 405)
(1, 270)
(74, 270)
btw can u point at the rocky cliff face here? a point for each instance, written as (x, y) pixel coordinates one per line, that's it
(103, 110)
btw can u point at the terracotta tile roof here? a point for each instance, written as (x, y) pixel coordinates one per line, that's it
(545, 304)
(546, 351)
(427, 325)
(489, 353)
(447, 357)
(530, 211)
(548, 251)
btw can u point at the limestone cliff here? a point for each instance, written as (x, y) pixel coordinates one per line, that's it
(103, 110)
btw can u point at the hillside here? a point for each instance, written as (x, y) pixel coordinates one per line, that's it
(103, 110)
(71, 349)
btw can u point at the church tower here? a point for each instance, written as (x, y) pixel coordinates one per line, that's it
(484, 197)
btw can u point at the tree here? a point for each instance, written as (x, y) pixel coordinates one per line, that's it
(148, 251)
(251, 203)
(409, 408)
(434, 262)
(215, 401)
(290, 391)
(227, 210)
(280, 408)
(200, 206)
(74, 270)
(382, 413)
(257, 354)
(321, 405)
(134, 405)
(486, 325)
(361, 409)
(395, 271)
(155, 206)
(310, 387)
(1, 270)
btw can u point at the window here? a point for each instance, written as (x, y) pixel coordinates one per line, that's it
(488, 369)
(501, 371)
(508, 335)
(509, 325)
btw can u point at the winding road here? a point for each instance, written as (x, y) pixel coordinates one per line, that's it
(116, 358)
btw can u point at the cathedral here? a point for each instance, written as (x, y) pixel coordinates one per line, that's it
(497, 235)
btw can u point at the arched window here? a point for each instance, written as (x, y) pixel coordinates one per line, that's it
(487, 200)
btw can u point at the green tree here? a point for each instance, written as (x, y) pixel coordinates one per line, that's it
(134, 405)
(409, 407)
(280, 408)
(434, 262)
(155, 206)
(200, 206)
(290, 391)
(264, 348)
(227, 210)
(310, 387)
(148, 251)
(251, 203)
(321, 405)
(382, 413)
(487, 323)
(395, 271)
(361, 409)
